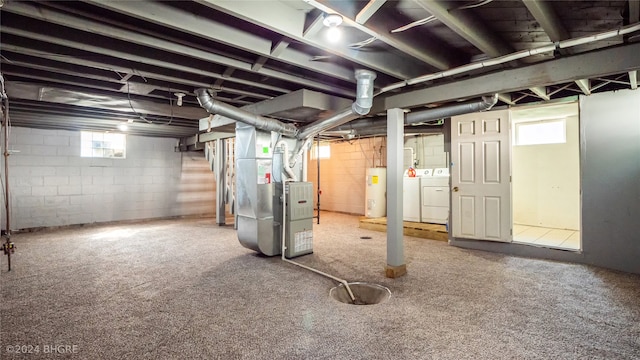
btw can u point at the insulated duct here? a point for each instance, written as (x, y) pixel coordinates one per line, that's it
(361, 106)
(260, 122)
(486, 103)
(369, 126)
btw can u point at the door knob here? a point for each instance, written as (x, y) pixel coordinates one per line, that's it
(455, 189)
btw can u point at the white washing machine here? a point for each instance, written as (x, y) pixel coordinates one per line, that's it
(435, 197)
(411, 195)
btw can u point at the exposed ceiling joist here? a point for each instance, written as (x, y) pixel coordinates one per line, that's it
(634, 11)
(471, 28)
(225, 76)
(541, 92)
(584, 85)
(368, 10)
(633, 79)
(544, 14)
(162, 63)
(566, 69)
(422, 50)
(74, 123)
(125, 78)
(259, 63)
(145, 40)
(313, 24)
(113, 53)
(278, 48)
(468, 26)
(128, 72)
(290, 22)
(176, 18)
(506, 98)
(18, 90)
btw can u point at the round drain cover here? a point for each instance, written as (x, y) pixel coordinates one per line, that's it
(365, 293)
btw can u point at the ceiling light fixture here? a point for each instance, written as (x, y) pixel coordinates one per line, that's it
(123, 127)
(180, 95)
(332, 21)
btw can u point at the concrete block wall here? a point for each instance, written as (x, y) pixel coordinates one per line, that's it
(343, 175)
(429, 150)
(51, 185)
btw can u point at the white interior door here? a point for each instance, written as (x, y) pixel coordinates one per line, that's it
(481, 176)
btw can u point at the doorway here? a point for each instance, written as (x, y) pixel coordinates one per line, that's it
(545, 166)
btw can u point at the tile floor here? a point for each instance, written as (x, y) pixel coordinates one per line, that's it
(548, 237)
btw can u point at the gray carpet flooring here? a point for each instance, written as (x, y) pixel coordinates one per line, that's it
(186, 289)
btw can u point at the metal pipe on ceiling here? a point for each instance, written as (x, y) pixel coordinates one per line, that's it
(486, 103)
(361, 106)
(232, 112)
(514, 56)
(380, 123)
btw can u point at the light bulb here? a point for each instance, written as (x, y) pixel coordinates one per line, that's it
(334, 34)
(123, 127)
(180, 96)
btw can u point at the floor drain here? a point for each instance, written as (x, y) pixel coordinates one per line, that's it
(365, 293)
(365, 237)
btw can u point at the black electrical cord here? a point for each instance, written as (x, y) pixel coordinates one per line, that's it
(143, 117)
(134, 110)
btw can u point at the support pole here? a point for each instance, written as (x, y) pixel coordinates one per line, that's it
(7, 248)
(318, 183)
(396, 266)
(220, 171)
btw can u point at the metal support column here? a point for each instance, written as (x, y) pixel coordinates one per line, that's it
(318, 192)
(220, 173)
(396, 266)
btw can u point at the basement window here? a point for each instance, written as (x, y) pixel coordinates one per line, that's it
(320, 152)
(541, 132)
(102, 145)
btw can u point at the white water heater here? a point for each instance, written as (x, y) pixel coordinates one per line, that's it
(376, 193)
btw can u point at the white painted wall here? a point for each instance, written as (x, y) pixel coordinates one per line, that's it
(51, 185)
(611, 179)
(428, 149)
(546, 182)
(343, 176)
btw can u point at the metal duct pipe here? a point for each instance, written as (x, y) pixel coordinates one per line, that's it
(486, 103)
(263, 123)
(362, 126)
(364, 91)
(365, 133)
(362, 105)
